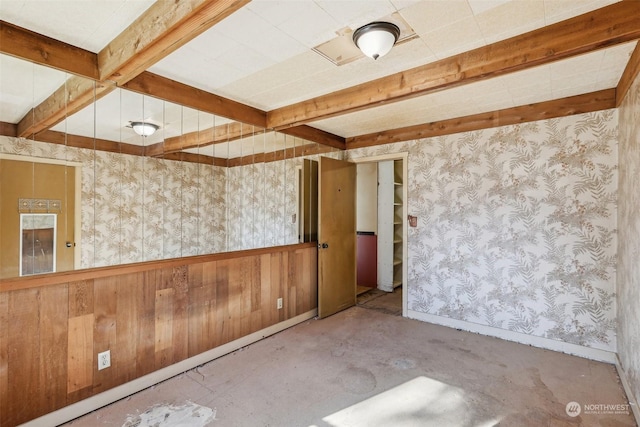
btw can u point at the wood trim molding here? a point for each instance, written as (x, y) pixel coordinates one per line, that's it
(29, 282)
(25, 44)
(579, 104)
(631, 72)
(608, 26)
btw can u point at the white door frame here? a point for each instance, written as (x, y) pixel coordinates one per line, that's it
(404, 156)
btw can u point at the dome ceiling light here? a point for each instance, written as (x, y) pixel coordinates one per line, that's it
(144, 128)
(376, 39)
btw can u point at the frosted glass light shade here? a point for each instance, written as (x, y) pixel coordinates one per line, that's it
(376, 39)
(144, 129)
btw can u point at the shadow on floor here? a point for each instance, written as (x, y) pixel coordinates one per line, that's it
(386, 302)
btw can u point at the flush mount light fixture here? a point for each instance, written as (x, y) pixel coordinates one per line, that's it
(144, 128)
(376, 39)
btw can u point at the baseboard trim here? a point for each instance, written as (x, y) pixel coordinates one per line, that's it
(85, 406)
(633, 401)
(546, 343)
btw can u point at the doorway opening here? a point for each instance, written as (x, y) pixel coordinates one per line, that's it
(357, 223)
(40, 215)
(382, 233)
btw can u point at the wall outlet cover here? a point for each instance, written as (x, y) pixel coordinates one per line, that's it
(104, 360)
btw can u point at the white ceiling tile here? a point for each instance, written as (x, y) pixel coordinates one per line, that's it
(355, 14)
(480, 6)
(587, 63)
(510, 19)
(538, 89)
(410, 54)
(427, 16)
(253, 32)
(260, 56)
(563, 92)
(462, 36)
(247, 61)
(528, 77)
(618, 55)
(23, 85)
(559, 10)
(210, 44)
(586, 81)
(199, 73)
(309, 25)
(275, 12)
(401, 4)
(89, 25)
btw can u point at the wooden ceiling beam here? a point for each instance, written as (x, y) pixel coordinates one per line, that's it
(316, 135)
(34, 47)
(8, 129)
(159, 31)
(85, 142)
(274, 156)
(197, 158)
(608, 26)
(215, 135)
(75, 94)
(170, 90)
(631, 71)
(579, 104)
(78, 141)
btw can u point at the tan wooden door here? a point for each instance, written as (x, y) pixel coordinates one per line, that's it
(33, 180)
(336, 236)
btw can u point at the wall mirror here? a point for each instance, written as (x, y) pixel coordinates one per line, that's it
(38, 243)
(199, 184)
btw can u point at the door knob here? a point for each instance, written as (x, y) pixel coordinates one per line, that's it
(325, 245)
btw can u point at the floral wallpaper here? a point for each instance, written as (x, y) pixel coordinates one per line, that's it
(629, 240)
(517, 227)
(262, 203)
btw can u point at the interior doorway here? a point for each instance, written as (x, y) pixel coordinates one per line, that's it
(382, 232)
(379, 232)
(39, 215)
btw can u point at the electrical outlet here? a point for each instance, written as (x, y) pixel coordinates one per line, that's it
(279, 304)
(104, 360)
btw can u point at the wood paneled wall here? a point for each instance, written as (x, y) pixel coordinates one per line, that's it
(149, 315)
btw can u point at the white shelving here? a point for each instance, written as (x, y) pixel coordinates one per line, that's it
(390, 224)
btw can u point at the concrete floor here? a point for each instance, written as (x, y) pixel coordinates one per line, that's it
(365, 367)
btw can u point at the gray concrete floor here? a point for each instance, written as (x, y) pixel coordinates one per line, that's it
(387, 302)
(365, 367)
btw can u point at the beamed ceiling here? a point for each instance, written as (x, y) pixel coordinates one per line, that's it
(234, 82)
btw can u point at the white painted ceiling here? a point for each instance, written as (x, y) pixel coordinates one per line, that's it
(262, 56)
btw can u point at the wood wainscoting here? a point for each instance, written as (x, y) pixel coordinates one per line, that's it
(149, 315)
